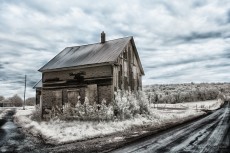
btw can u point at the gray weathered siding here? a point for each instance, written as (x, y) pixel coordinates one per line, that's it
(91, 72)
(127, 73)
(96, 87)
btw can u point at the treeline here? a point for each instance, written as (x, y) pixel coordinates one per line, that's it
(16, 101)
(188, 92)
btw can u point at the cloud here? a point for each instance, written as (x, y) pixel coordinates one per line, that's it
(1, 66)
(178, 41)
(195, 36)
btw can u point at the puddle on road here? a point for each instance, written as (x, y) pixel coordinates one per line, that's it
(9, 125)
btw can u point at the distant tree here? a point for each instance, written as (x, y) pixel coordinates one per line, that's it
(187, 92)
(16, 100)
(30, 101)
(2, 98)
(6, 103)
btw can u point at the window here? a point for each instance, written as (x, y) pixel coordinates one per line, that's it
(57, 100)
(125, 54)
(73, 97)
(125, 69)
(91, 93)
(134, 72)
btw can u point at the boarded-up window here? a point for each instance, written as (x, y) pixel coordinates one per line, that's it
(57, 101)
(125, 69)
(125, 54)
(57, 98)
(38, 97)
(132, 54)
(119, 80)
(116, 81)
(134, 72)
(140, 82)
(91, 93)
(126, 83)
(73, 96)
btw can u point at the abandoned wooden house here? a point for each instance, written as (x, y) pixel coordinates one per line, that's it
(94, 71)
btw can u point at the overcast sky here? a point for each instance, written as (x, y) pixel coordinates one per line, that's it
(178, 41)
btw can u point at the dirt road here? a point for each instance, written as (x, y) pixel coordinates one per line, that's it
(13, 140)
(207, 135)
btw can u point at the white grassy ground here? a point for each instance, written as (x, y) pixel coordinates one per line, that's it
(198, 105)
(57, 132)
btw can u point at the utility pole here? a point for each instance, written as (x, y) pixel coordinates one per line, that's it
(24, 95)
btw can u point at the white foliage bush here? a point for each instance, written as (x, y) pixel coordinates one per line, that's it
(87, 111)
(125, 105)
(143, 102)
(36, 115)
(128, 104)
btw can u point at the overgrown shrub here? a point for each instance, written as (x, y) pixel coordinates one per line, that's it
(128, 104)
(87, 111)
(36, 115)
(125, 105)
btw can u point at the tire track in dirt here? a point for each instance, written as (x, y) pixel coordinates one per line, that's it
(205, 135)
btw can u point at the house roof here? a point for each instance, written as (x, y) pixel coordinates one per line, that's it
(98, 53)
(38, 84)
(88, 54)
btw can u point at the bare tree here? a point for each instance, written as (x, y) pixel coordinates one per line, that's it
(30, 101)
(187, 92)
(2, 98)
(16, 100)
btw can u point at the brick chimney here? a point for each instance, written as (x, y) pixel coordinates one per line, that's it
(102, 37)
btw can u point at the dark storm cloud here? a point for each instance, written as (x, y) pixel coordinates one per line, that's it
(1, 66)
(226, 54)
(2, 78)
(169, 75)
(228, 16)
(179, 62)
(199, 36)
(80, 41)
(191, 60)
(18, 79)
(218, 65)
(31, 83)
(44, 7)
(37, 48)
(17, 44)
(14, 42)
(199, 3)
